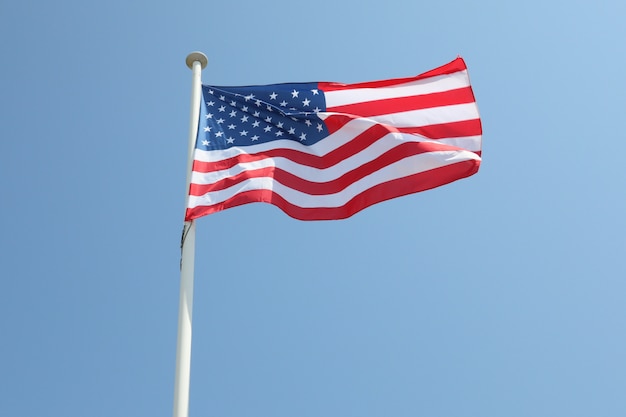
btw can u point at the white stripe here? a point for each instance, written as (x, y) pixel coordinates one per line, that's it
(430, 85)
(427, 117)
(470, 143)
(309, 173)
(405, 167)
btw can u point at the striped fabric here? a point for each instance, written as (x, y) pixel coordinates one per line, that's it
(322, 151)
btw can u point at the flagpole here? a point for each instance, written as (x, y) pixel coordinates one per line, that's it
(196, 61)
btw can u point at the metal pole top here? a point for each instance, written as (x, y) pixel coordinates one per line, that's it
(197, 56)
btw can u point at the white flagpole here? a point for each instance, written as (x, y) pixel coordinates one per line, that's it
(196, 61)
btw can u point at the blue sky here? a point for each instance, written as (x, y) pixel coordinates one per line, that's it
(498, 295)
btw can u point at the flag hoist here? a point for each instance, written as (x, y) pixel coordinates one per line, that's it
(196, 61)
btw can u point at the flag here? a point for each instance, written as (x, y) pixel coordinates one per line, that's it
(325, 150)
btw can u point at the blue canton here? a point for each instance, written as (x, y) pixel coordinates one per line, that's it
(242, 116)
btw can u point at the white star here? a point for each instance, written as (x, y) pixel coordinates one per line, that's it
(209, 115)
(268, 119)
(283, 103)
(255, 124)
(207, 128)
(302, 137)
(230, 140)
(244, 119)
(244, 133)
(220, 121)
(210, 103)
(306, 102)
(269, 108)
(279, 133)
(231, 126)
(219, 134)
(222, 108)
(273, 96)
(249, 97)
(292, 131)
(267, 128)
(315, 92)
(244, 108)
(211, 91)
(317, 110)
(279, 125)
(294, 94)
(233, 103)
(233, 113)
(319, 127)
(255, 137)
(258, 103)
(223, 98)
(205, 142)
(308, 122)
(256, 114)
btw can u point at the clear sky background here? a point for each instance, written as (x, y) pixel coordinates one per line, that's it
(499, 295)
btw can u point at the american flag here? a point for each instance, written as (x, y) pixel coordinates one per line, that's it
(322, 151)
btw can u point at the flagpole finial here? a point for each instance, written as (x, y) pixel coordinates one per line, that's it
(197, 56)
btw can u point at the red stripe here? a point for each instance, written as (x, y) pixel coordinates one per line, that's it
(449, 68)
(403, 104)
(290, 180)
(337, 121)
(381, 192)
(447, 130)
(438, 131)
